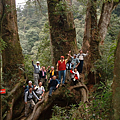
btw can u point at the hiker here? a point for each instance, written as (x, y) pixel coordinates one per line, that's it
(53, 83)
(52, 72)
(26, 88)
(81, 56)
(61, 68)
(43, 76)
(68, 68)
(39, 90)
(36, 72)
(75, 76)
(74, 61)
(29, 100)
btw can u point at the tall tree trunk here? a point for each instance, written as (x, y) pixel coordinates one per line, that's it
(104, 20)
(62, 29)
(91, 40)
(95, 33)
(12, 54)
(116, 83)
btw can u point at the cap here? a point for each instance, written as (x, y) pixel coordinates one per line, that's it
(30, 82)
(62, 56)
(75, 55)
(37, 62)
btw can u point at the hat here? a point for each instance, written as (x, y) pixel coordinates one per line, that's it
(37, 62)
(30, 82)
(62, 57)
(75, 55)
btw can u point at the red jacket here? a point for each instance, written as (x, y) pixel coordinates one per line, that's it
(61, 65)
(76, 76)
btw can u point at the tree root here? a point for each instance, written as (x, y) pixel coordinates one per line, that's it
(46, 102)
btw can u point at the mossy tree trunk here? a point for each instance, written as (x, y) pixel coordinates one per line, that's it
(12, 54)
(94, 34)
(62, 29)
(116, 83)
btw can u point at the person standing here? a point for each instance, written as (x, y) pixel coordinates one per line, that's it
(36, 72)
(39, 90)
(81, 56)
(26, 88)
(43, 76)
(53, 83)
(61, 68)
(74, 61)
(29, 100)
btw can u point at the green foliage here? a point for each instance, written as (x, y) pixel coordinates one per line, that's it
(117, 10)
(30, 23)
(102, 98)
(111, 0)
(61, 7)
(44, 50)
(28, 67)
(2, 45)
(99, 106)
(114, 28)
(105, 65)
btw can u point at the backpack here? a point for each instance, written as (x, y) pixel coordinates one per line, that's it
(27, 89)
(37, 89)
(28, 95)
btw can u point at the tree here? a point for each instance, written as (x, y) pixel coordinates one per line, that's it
(95, 33)
(62, 30)
(116, 83)
(12, 54)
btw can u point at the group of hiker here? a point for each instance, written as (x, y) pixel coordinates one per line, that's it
(70, 67)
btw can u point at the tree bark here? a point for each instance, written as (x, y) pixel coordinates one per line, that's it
(12, 54)
(94, 34)
(116, 83)
(62, 29)
(13, 97)
(104, 20)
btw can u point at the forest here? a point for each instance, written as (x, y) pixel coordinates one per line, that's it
(46, 30)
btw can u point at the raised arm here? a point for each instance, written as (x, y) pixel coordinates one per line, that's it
(33, 63)
(85, 54)
(47, 68)
(69, 54)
